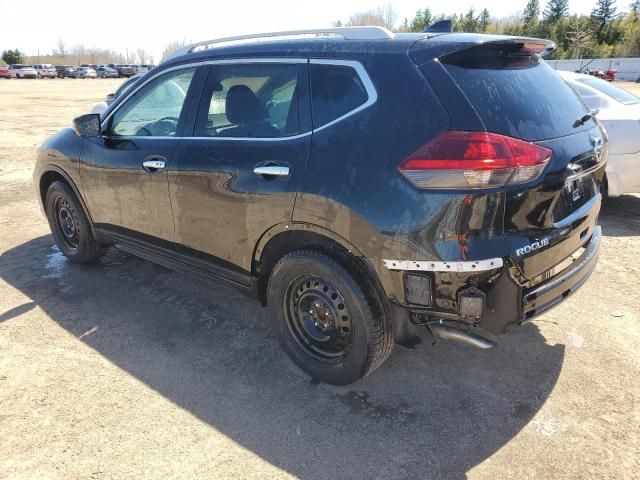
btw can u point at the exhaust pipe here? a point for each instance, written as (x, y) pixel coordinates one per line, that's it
(448, 333)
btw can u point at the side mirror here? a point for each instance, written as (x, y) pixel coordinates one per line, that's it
(111, 97)
(87, 125)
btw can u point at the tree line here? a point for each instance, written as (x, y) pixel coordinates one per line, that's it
(605, 32)
(79, 54)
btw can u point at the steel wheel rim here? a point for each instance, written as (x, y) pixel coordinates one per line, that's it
(318, 318)
(66, 222)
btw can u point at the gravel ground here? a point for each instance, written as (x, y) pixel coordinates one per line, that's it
(124, 369)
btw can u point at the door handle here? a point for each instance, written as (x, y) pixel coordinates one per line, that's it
(272, 170)
(153, 164)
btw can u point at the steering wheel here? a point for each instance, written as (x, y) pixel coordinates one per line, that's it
(166, 125)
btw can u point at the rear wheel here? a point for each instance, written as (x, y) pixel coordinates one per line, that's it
(69, 225)
(330, 321)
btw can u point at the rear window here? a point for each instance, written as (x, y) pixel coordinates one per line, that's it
(610, 90)
(516, 95)
(336, 90)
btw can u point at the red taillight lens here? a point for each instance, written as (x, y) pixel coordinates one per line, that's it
(474, 160)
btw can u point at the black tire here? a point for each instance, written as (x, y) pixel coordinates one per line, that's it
(332, 322)
(70, 226)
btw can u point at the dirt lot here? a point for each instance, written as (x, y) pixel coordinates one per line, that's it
(127, 370)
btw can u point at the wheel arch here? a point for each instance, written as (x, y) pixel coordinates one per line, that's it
(284, 238)
(52, 173)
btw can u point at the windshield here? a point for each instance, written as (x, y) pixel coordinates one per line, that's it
(610, 90)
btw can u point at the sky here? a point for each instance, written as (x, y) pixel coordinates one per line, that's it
(32, 25)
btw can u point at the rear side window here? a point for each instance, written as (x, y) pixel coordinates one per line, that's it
(336, 91)
(516, 95)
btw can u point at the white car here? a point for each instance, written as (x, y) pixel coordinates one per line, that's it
(23, 71)
(100, 107)
(619, 111)
(86, 72)
(45, 70)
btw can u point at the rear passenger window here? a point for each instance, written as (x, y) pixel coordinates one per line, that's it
(336, 90)
(249, 101)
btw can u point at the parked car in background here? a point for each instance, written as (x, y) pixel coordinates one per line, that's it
(86, 72)
(5, 72)
(356, 185)
(45, 70)
(125, 71)
(143, 68)
(89, 65)
(106, 72)
(100, 107)
(619, 111)
(68, 72)
(23, 71)
(60, 69)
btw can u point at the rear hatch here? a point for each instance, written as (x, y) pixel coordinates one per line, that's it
(515, 93)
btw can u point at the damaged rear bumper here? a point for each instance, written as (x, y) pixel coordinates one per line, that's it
(505, 297)
(540, 298)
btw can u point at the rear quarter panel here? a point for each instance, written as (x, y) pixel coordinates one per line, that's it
(353, 188)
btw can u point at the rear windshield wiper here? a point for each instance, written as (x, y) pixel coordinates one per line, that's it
(582, 120)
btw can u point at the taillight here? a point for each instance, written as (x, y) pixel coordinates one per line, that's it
(474, 160)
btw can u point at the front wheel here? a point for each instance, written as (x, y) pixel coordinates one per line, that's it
(70, 226)
(331, 322)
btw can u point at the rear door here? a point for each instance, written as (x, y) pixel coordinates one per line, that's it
(238, 174)
(517, 94)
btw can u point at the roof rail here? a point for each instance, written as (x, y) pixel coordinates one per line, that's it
(348, 33)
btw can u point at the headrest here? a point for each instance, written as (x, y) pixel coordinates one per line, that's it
(242, 106)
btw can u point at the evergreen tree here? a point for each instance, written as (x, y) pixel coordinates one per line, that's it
(604, 13)
(531, 12)
(470, 21)
(485, 20)
(555, 10)
(11, 57)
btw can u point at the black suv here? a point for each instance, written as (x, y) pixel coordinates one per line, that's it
(358, 183)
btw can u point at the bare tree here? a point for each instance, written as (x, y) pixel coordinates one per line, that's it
(579, 35)
(172, 47)
(93, 56)
(381, 16)
(77, 51)
(388, 14)
(62, 48)
(143, 56)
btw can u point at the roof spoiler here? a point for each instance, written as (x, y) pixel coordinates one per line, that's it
(430, 47)
(443, 26)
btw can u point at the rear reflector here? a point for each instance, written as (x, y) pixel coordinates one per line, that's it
(474, 160)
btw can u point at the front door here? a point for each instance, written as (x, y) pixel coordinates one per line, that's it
(124, 172)
(238, 174)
